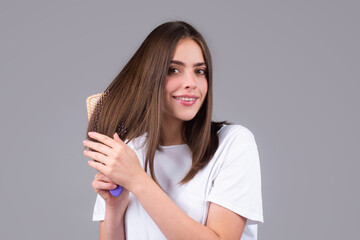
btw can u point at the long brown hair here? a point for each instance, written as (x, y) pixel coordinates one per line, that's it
(132, 103)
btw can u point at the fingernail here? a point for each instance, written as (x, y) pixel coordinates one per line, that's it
(91, 133)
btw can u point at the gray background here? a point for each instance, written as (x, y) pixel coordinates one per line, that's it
(287, 70)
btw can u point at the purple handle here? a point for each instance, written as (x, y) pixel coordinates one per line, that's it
(117, 191)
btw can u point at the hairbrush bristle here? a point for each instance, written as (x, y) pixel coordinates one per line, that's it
(121, 130)
(98, 109)
(95, 106)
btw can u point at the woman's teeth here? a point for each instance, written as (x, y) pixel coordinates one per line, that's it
(185, 99)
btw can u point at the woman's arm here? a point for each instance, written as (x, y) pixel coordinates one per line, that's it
(112, 227)
(119, 163)
(226, 223)
(176, 224)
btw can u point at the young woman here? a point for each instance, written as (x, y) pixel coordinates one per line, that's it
(184, 176)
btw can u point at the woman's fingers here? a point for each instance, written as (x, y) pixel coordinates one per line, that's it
(117, 138)
(97, 156)
(99, 166)
(98, 147)
(104, 139)
(102, 177)
(100, 185)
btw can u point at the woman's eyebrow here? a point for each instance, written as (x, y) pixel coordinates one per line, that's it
(183, 64)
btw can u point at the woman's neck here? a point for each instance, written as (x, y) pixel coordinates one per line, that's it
(171, 133)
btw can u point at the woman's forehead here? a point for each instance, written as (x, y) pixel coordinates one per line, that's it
(187, 51)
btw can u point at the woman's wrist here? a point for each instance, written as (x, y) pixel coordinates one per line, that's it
(141, 183)
(116, 207)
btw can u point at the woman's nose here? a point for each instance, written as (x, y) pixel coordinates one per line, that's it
(190, 80)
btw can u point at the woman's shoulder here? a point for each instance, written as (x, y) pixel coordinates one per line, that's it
(236, 133)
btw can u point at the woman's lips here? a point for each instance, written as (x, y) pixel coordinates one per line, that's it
(186, 100)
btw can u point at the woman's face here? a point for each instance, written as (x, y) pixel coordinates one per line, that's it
(186, 84)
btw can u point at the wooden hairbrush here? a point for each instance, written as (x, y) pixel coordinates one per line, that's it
(91, 103)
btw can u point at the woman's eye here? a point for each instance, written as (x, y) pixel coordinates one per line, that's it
(173, 70)
(201, 71)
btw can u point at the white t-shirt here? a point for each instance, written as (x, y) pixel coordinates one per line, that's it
(231, 179)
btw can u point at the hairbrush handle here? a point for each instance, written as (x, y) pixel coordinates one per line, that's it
(91, 104)
(117, 191)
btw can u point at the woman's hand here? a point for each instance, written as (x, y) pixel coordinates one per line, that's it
(115, 160)
(102, 185)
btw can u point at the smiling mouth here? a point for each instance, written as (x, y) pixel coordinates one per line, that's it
(186, 99)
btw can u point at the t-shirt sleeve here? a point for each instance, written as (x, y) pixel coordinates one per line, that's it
(99, 209)
(237, 184)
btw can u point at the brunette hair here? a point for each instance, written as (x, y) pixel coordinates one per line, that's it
(132, 103)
